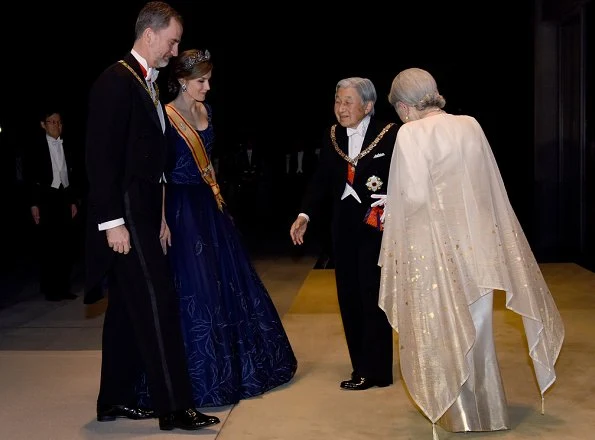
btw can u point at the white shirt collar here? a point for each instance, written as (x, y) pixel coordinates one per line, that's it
(151, 72)
(52, 140)
(361, 127)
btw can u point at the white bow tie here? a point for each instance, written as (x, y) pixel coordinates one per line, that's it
(352, 131)
(56, 141)
(152, 74)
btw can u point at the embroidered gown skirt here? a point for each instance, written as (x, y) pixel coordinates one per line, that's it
(235, 342)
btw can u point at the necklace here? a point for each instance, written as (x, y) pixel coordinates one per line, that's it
(352, 162)
(155, 98)
(364, 151)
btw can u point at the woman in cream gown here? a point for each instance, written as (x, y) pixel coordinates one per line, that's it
(450, 238)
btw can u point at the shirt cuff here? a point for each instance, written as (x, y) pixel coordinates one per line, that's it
(111, 224)
(306, 216)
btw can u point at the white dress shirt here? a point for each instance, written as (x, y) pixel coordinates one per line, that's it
(150, 79)
(59, 166)
(356, 140)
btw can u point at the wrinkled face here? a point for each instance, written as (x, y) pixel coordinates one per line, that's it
(198, 87)
(53, 125)
(349, 108)
(163, 44)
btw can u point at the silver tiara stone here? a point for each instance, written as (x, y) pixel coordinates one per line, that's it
(198, 57)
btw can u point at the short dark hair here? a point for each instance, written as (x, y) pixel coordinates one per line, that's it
(155, 15)
(48, 111)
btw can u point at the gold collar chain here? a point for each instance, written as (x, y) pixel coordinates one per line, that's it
(144, 84)
(363, 152)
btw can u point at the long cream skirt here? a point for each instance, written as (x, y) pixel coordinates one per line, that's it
(481, 404)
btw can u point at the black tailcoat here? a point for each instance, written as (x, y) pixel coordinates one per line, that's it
(56, 225)
(126, 155)
(356, 245)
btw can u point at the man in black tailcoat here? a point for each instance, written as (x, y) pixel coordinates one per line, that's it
(127, 235)
(354, 164)
(53, 199)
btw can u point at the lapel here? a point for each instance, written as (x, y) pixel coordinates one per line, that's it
(144, 95)
(342, 139)
(244, 161)
(371, 134)
(67, 157)
(45, 158)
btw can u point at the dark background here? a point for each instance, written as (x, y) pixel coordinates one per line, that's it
(282, 67)
(276, 68)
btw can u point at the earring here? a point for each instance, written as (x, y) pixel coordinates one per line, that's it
(184, 88)
(406, 118)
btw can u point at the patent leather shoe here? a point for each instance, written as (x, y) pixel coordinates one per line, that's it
(108, 413)
(362, 383)
(188, 419)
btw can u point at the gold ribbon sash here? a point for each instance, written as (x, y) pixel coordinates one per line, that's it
(198, 151)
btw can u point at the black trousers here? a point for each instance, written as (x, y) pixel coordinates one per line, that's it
(142, 330)
(56, 247)
(368, 333)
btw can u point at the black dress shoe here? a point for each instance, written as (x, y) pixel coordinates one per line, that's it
(362, 383)
(107, 413)
(189, 419)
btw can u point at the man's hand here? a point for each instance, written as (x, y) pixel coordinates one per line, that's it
(298, 229)
(73, 210)
(164, 236)
(118, 239)
(35, 214)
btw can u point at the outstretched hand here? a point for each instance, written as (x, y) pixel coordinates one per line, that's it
(298, 229)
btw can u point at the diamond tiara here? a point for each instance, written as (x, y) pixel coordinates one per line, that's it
(196, 58)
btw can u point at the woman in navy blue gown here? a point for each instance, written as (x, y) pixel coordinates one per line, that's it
(235, 341)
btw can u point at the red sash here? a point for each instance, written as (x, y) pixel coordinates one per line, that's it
(197, 149)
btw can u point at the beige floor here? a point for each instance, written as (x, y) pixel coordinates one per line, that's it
(50, 356)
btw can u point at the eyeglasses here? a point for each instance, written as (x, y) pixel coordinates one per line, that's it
(50, 122)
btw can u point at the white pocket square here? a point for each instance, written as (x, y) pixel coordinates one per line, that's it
(378, 155)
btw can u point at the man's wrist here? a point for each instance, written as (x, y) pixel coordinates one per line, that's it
(110, 224)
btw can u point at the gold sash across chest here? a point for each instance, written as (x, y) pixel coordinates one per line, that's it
(197, 149)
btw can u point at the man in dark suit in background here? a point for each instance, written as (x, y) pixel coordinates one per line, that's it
(251, 188)
(354, 165)
(53, 200)
(127, 235)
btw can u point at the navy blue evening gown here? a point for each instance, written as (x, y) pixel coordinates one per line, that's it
(235, 342)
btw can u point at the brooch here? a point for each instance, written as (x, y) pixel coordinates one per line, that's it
(374, 183)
